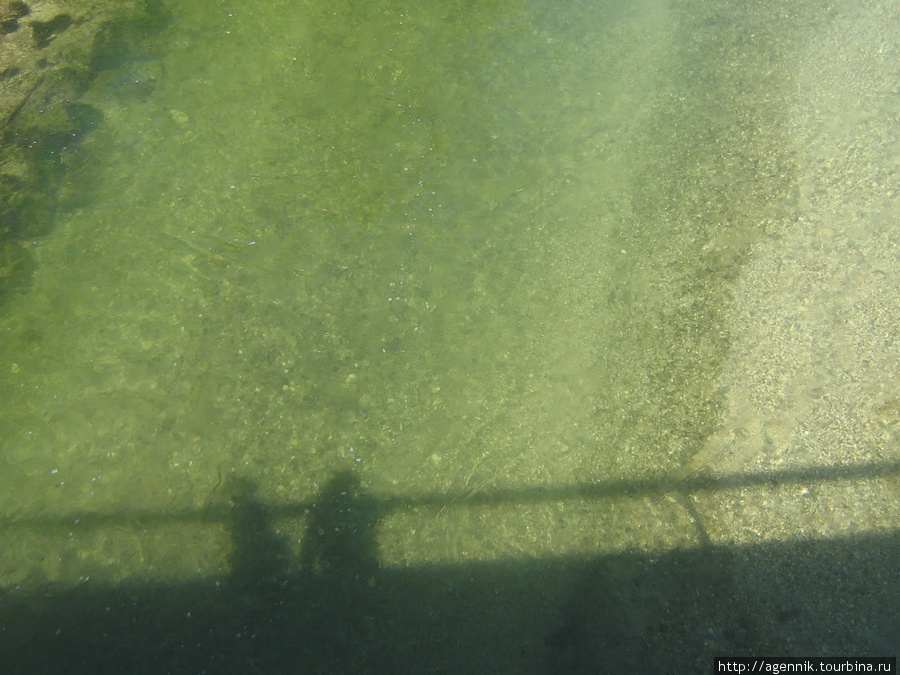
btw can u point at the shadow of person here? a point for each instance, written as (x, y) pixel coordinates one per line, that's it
(340, 538)
(339, 566)
(260, 556)
(324, 612)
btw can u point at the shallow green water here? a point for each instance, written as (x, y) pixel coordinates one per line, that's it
(459, 250)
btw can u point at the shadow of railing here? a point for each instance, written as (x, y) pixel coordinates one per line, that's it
(335, 608)
(222, 511)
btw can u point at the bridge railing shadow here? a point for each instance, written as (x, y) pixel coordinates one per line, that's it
(334, 608)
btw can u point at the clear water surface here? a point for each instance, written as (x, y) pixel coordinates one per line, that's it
(468, 258)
